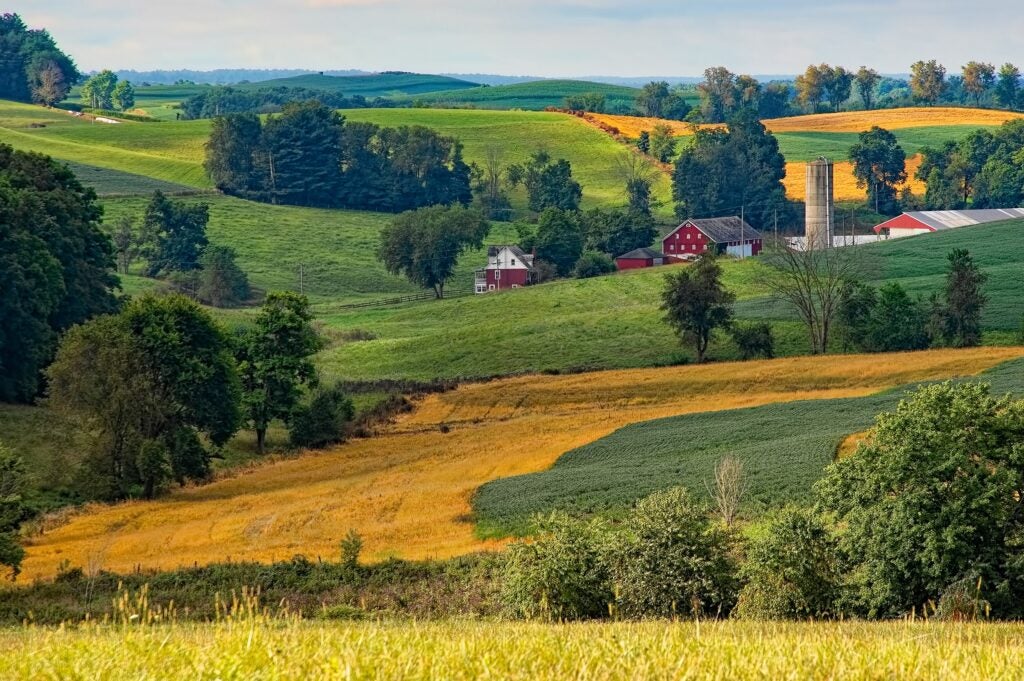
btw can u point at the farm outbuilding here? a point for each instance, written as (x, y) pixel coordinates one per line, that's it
(928, 221)
(729, 236)
(640, 258)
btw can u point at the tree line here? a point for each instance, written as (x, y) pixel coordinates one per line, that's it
(34, 68)
(104, 91)
(310, 156)
(222, 100)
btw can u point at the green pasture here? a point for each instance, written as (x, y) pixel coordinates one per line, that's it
(534, 95)
(376, 85)
(807, 146)
(784, 449)
(517, 134)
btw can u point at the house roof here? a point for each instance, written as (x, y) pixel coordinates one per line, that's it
(641, 254)
(951, 219)
(525, 258)
(724, 230)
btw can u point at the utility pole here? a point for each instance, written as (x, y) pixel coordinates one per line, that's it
(743, 224)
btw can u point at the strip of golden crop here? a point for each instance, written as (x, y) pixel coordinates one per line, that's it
(845, 186)
(408, 491)
(847, 121)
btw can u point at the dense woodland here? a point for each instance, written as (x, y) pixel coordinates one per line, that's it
(310, 156)
(222, 100)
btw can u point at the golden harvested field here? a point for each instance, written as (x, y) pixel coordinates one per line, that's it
(845, 188)
(408, 491)
(848, 121)
(264, 648)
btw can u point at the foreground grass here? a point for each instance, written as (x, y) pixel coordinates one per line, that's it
(268, 649)
(408, 491)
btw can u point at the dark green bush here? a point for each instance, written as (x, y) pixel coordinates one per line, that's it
(324, 420)
(593, 264)
(791, 569)
(561, 574)
(754, 340)
(673, 561)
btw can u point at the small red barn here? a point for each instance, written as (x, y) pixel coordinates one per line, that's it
(507, 267)
(641, 257)
(731, 236)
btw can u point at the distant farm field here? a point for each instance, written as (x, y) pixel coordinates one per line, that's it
(408, 491)
(256, 647)
(533, 95)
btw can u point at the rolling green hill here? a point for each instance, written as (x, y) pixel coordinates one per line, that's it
(377, 85)
(614, 321)
(517, 134)
(784, 448)
(535, 95)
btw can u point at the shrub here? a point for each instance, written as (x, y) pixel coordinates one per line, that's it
(323, 421)
(673, 561)
(593, 264)
(561, 574)
(791, 570)
(351, 546)
(754, 340)
(932, 497)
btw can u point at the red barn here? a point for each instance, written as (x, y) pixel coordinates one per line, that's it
(641, 257)
(731, 236)
(927, 221)
(507, 267)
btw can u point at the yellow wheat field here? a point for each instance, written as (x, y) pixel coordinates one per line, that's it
(845, 187)
(849, 121)
(408, 491)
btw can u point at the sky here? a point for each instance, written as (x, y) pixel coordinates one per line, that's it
(530, 37)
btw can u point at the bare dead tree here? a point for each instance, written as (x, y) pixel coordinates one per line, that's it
(729, 488)
(813, 282)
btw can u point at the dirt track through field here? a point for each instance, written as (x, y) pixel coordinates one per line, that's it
(408, 491)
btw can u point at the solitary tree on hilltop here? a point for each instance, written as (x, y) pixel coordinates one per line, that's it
(978, 79)
(696, 303)
(927, 81)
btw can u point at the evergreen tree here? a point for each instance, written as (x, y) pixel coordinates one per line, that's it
(302, 152)
(964, 301)
(174, 235)
(222, 283)
(1008, 87)
(725, 169)
(232, 153)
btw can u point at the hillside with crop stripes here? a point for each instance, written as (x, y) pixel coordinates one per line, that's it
(783, 448)
(408, 491)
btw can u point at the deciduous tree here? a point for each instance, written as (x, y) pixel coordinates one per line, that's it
(425, 245)
(927, 81)
(174, 235)
(879, 164)
(275, 361)
(866, 81)
(123, 96)
(978, 78)
(559, 239)
(696, 303)
(1008, 87)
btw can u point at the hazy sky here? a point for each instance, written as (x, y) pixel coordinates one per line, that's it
(530, 37)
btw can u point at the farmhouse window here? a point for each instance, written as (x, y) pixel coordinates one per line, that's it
(513, 262)
(688, 236)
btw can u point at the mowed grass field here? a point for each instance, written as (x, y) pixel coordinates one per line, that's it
(329, 254)
(408, 492)
(267, 648)
(594, 156)
(783, 448)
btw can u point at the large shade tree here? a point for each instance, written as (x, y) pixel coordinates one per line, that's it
(425, 245)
